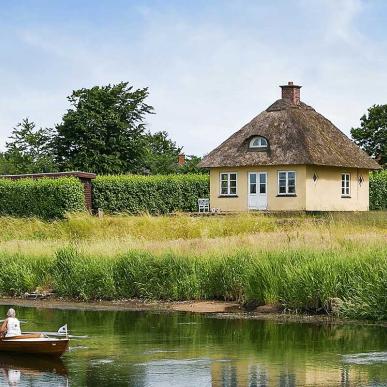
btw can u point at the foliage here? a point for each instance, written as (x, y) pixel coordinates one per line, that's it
(191, 165)
(7, 166)
(44, 198)
(149, 194)
(297, 280)
(103, 132)
(161, 154)
(28, 150)
(372, 133)
(378, 190)
(82, 277)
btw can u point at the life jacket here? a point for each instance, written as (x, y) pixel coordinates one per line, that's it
(13, 327)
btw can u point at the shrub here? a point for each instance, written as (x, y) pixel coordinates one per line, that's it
(378, 190)
(43, 198)
(149, 194)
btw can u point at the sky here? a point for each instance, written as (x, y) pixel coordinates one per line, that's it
(210, 66)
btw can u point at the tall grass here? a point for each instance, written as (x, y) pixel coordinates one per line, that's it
(301, 280)
(181, 226)
(299, 262)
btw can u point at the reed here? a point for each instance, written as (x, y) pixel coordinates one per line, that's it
(299, 280)
(299, 262)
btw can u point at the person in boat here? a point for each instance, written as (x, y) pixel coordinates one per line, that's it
(11, 325)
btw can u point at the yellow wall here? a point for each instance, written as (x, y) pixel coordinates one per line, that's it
(325, 193)
(274, 203)
(322, 195)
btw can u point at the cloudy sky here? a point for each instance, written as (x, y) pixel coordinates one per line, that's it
(210, 66)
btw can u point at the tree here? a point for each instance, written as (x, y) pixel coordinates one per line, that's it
(372, 133)
(161, 154)
(28, 149)
(191, 165)
(104, 130)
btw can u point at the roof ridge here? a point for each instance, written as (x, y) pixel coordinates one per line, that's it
(282, 104)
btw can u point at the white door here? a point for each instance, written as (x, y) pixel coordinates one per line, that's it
(257, 191)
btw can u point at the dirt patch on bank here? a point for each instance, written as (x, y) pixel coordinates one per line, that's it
(217, 309)
(131, 305)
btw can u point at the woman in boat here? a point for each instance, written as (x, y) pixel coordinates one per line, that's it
(11, 325)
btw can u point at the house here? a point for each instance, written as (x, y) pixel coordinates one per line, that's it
(289, 158)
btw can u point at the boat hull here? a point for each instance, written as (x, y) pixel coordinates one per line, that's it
(34, 345)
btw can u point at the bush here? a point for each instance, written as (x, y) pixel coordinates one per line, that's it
(43, 198)
(378, 190)
(149, 194)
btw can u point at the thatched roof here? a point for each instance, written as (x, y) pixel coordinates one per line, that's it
(297, 134)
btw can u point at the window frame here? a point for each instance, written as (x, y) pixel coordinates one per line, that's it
(251, 146)
(228, 194)
(347, 178)
(287, 193)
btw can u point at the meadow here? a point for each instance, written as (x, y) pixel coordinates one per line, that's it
(300, 262)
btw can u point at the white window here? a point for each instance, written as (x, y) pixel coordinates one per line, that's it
(286, 183)
(258, 142)
(228, 183)
(345, 184)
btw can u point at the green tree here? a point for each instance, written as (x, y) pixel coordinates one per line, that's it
(161, 154)
(191, 165)
(28, 149)
(372, 133)
(6, 166)
(104, 130)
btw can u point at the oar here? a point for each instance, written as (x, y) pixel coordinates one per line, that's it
(64, 335)
(60, 335)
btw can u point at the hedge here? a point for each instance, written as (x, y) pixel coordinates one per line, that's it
(43, 198)
(158, 194)
(378, 190)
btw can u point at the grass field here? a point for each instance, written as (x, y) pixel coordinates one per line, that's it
(298, 261)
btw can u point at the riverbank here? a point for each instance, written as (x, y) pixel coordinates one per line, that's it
(216, 309)
(348, 282)
(301, 263)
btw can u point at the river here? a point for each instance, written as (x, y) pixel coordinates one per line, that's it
(178, 349)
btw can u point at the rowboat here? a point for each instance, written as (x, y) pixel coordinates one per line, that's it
(35, 343)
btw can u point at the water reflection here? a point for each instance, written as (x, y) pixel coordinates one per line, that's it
(151, 349)
(19, 370)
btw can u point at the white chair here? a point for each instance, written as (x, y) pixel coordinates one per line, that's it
(204, 205)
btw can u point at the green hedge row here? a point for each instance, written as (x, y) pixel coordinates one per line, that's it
(134, 194)
(149, 194)
(378, 190)
(43, 198)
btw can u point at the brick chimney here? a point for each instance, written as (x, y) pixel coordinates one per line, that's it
(291, 93)
(181, 159)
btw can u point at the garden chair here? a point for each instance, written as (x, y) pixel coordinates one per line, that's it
(204, 205)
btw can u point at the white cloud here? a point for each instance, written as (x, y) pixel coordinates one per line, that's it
(208, 74)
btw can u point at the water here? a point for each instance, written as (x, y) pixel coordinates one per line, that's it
(159, 349)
